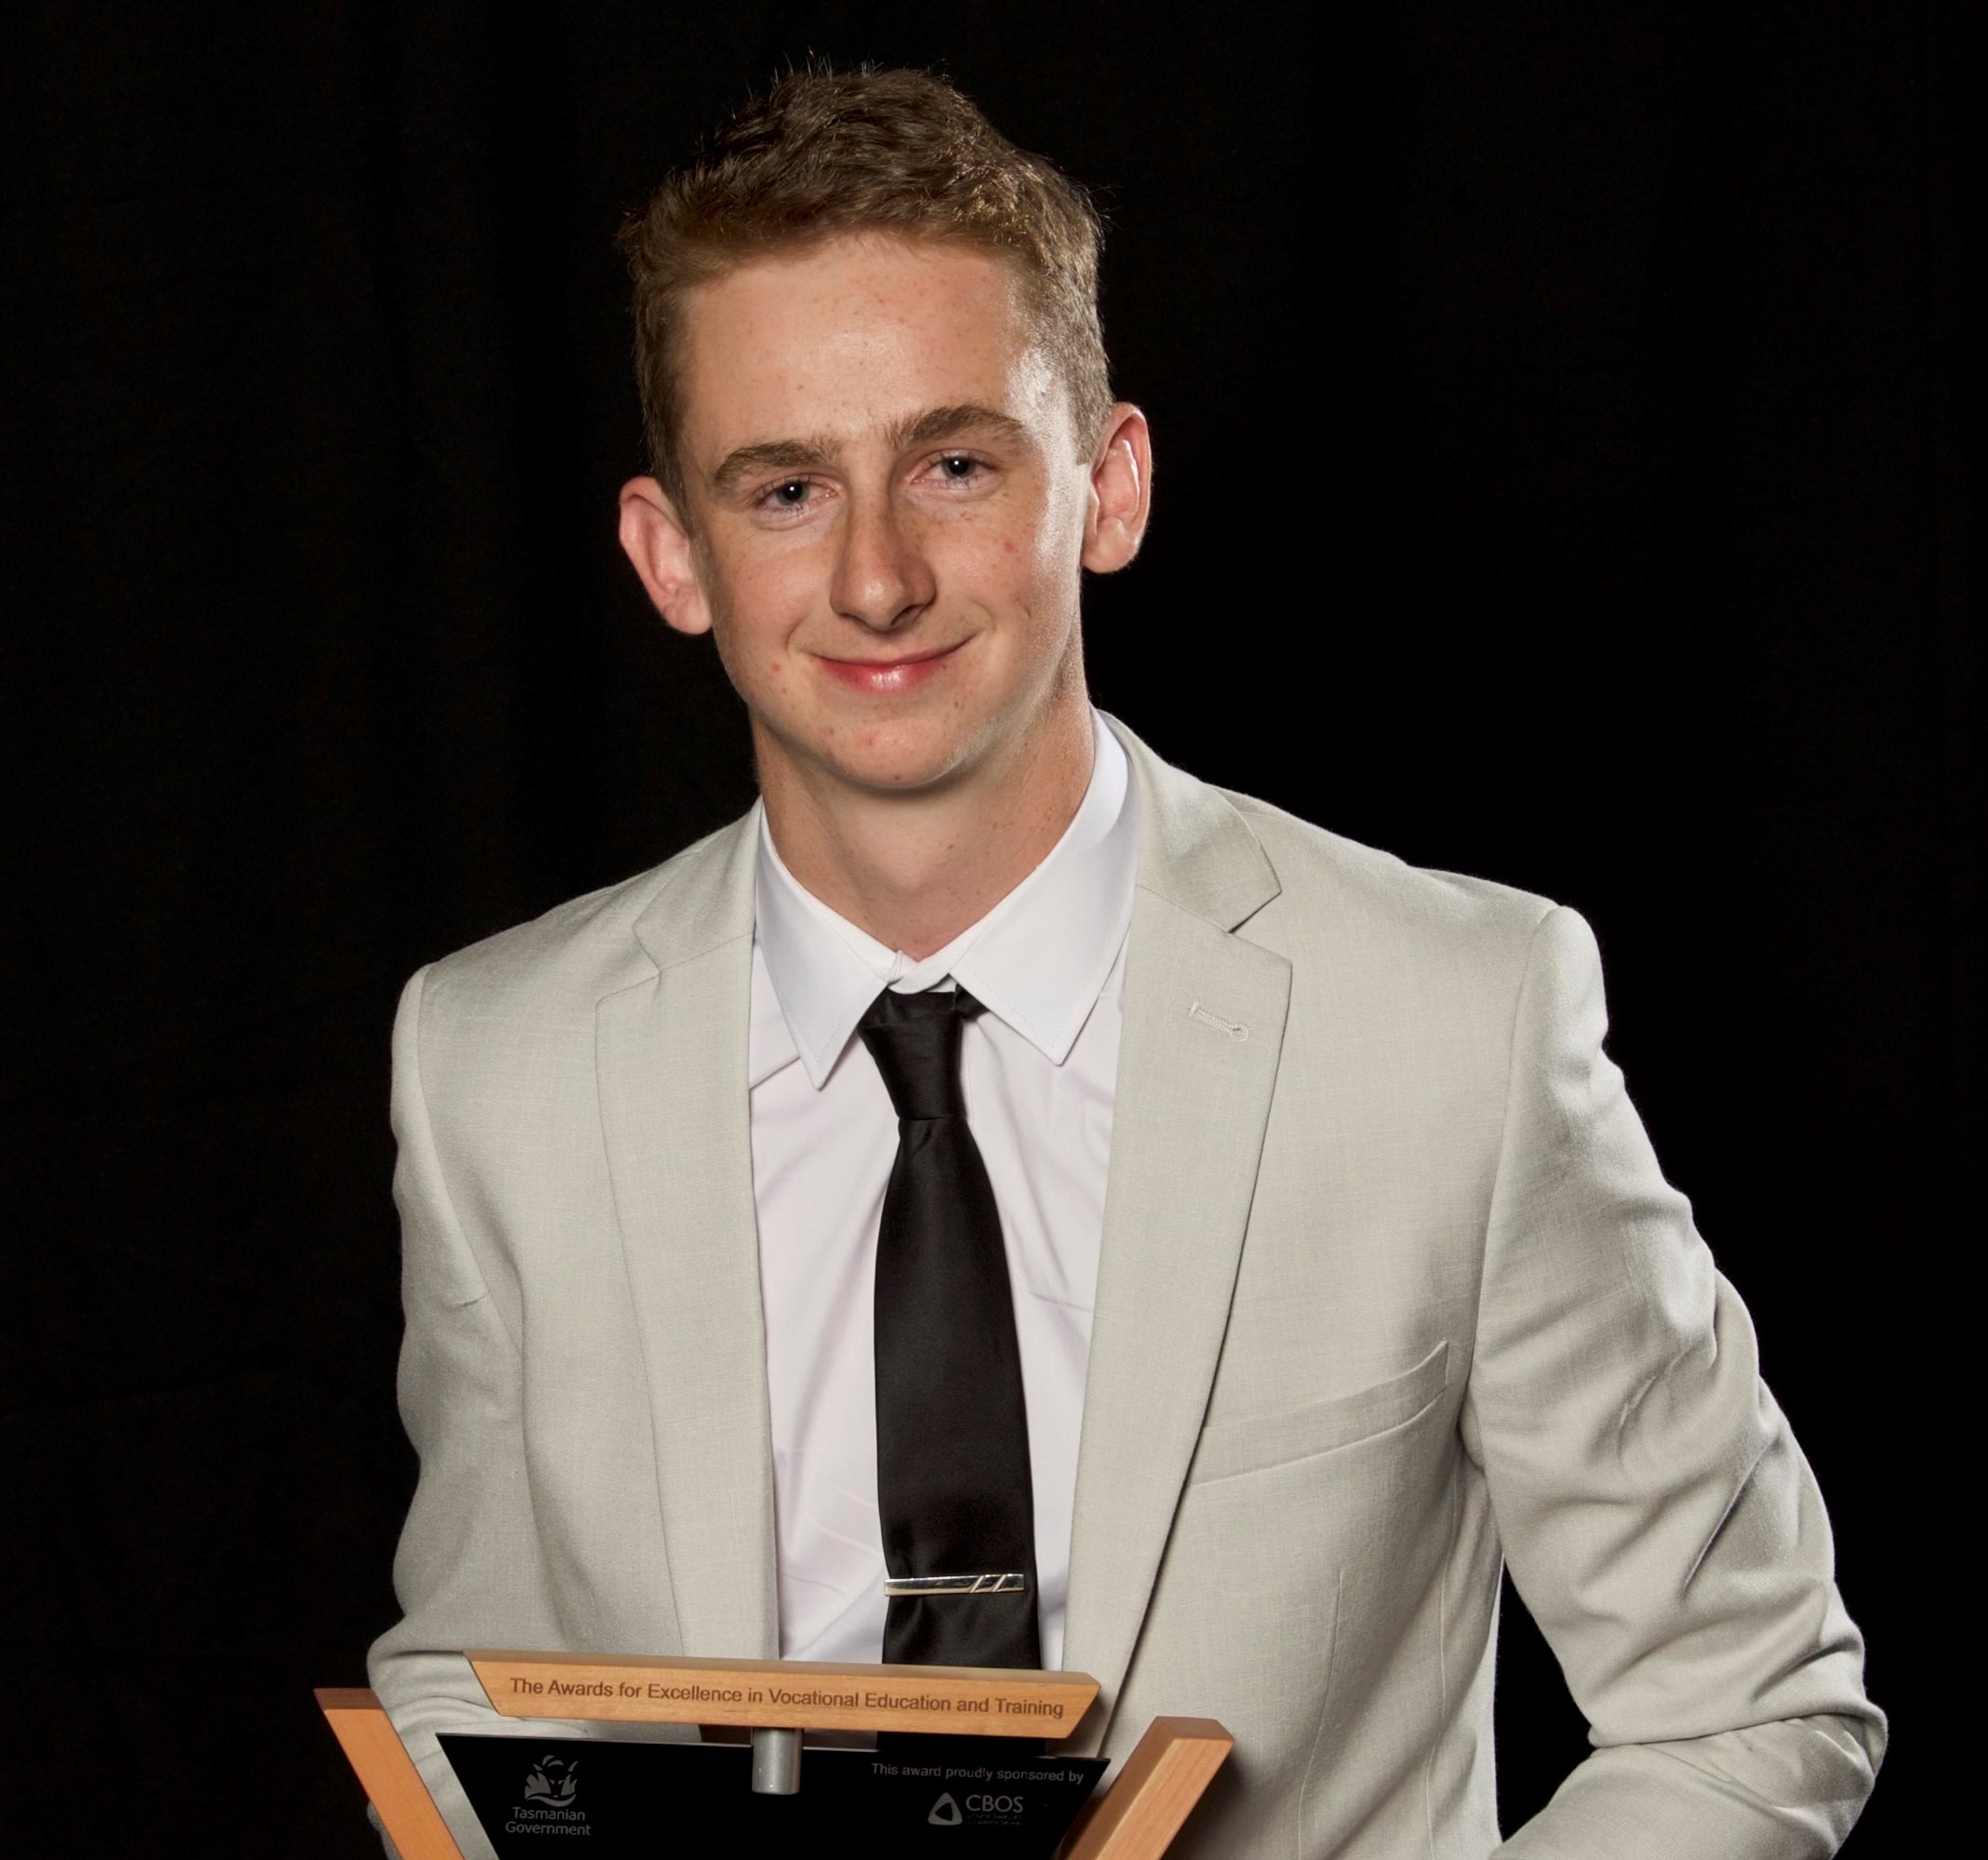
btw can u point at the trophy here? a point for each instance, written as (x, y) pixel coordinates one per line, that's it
(964, 1761)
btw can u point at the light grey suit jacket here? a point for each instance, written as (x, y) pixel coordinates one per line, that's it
(1390, 1289)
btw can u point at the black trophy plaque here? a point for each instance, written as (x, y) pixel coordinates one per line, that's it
(568, 1795)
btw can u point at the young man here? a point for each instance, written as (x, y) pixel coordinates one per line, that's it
(1001, 1155)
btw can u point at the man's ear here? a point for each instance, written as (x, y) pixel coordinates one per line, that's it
(657, 543)
(1121, 491)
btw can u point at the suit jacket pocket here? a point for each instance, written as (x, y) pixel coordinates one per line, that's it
(1231, 1447)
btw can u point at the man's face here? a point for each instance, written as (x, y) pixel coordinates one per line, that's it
(889, 509)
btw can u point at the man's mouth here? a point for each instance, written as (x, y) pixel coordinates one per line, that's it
(888, 678)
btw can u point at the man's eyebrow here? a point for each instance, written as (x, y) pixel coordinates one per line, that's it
(781, 455)
(951, 423)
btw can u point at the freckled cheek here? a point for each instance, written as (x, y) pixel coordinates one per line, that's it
(1000, 561)
(766, 610)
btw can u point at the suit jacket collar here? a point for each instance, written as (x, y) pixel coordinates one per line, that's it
(1195, 850)
(704, 897)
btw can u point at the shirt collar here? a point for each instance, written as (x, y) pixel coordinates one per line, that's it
(1037, 960)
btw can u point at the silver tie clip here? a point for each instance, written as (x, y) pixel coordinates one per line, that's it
(1009, 1582)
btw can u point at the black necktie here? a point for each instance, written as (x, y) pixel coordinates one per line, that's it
(952, 1431)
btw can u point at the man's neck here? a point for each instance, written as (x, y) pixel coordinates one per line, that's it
(915, 870)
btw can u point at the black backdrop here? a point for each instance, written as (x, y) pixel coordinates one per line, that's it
(1559, 480)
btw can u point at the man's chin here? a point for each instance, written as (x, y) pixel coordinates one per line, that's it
(926, 771)
(906, 759)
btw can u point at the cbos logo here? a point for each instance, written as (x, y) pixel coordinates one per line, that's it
(995, 1808)
(553, 1780)
(984, 1809)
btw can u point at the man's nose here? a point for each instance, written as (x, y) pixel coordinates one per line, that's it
(882, 578)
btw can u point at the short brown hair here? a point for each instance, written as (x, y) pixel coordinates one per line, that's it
(824, 152)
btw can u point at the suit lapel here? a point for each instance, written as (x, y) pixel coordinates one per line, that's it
(1204, 1023)
(672, 1057)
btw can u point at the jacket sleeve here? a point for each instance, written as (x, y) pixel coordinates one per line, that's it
(1658, 1516)
(468, 1571)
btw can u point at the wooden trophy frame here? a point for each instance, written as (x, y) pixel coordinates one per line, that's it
(775, 1702)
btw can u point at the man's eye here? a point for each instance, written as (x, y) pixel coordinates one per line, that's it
(792, 494)
(958, 467)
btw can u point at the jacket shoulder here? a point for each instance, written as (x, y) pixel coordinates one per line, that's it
(1428, 967)
(1328, 883)
(583, 948)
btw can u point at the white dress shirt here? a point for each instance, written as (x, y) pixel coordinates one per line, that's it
(1039, 1073)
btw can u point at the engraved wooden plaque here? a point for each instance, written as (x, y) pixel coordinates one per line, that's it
(798, 1695)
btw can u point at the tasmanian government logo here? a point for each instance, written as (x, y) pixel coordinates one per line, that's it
(547, 1807)
(553, 1780)
(945, 1812)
